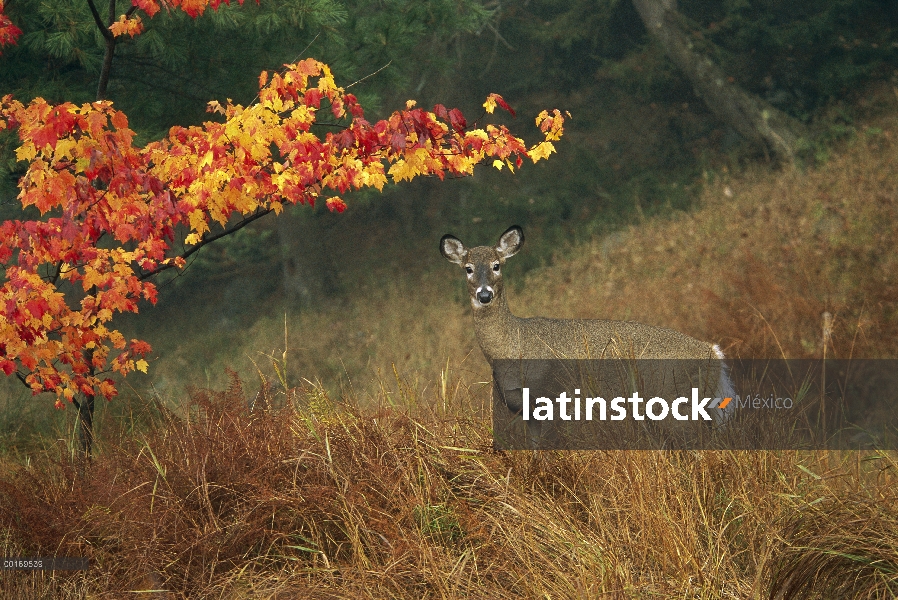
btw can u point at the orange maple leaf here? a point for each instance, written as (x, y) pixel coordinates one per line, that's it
(132, 26)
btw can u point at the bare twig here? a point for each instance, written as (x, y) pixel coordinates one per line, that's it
(370, 74)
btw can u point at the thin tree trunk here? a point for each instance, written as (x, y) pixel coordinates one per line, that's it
(86, 426)
(110, 45)
(107, 68)
(754, 119)
(86, 416)
(86, 405)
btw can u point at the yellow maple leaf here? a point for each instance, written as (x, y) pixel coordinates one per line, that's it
(402, 170)
(131, 26)
(115, 337)
(141, 365)
(207, 159)
(326, 82)
(64, 149)
(541, 150)
(373, 175)
(198, 222)
(26, 151)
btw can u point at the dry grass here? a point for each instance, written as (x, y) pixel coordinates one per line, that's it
(320, 500)
(303, 496)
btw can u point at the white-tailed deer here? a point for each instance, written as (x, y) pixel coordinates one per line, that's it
(506, 337)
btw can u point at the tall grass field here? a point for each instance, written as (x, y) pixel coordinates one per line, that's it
(348, 453)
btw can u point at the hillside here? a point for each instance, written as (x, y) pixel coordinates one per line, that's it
(753, 268)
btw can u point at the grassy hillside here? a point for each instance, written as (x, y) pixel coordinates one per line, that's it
(753, 268)
(366, 471)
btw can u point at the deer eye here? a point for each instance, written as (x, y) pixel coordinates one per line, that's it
(496, 267)
(469, 269)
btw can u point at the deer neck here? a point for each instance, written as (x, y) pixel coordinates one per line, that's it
(497, 330)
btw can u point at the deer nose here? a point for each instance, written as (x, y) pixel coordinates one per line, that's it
(484, 295)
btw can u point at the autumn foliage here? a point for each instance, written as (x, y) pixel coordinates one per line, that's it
(126, 23)
(112, 215)
(9, 33)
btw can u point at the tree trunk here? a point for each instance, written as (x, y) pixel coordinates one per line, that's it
(86, 413)
(109, 39)
(86, 405)
(754, 119)
(86, 426)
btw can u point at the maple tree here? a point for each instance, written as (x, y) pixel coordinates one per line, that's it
(9, 33)
(113, 215)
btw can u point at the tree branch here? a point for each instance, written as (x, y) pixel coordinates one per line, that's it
(104, 30)
(21, 378)
(208, 240)
(110, 47)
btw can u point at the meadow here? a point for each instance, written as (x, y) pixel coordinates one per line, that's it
(348, 454)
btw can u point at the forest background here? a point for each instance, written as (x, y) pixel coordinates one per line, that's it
(656, 207)
(641, 143)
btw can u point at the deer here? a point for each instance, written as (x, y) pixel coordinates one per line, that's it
(505, 337)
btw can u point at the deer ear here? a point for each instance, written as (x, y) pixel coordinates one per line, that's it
(452, 248)
(510, 242)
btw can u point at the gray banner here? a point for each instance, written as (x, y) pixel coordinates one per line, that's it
(695, 404)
